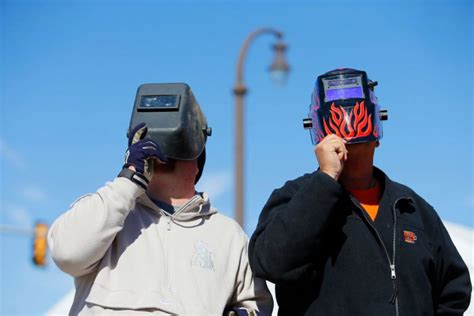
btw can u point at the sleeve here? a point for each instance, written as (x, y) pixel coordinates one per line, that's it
(251, 296)
(453, 286)
(290, 227)
(80, 237)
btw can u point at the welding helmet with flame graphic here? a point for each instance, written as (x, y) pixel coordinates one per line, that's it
(343, 103)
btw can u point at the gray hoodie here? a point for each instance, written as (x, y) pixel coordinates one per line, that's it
(128, 256)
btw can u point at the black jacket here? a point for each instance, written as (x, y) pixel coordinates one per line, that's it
(315, 242)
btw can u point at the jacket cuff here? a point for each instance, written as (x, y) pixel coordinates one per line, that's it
(127, 187)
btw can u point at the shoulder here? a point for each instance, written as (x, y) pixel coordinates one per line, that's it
(294, 185)
(414, 207)
(228, 227)
(313, 183)
(401, 191)
(301, 180)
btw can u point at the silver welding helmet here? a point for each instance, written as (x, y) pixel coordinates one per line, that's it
(175, 121)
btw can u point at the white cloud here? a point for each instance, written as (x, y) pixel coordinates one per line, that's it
(215, 183)
(33, 194)
(11, 156)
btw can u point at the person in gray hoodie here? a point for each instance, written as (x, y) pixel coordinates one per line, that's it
(148, 243)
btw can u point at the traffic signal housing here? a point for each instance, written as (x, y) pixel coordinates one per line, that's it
(40, 244)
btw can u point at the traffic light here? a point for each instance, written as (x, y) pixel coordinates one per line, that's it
(40, 244)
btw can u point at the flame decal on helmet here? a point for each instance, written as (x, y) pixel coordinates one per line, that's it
(356, 123)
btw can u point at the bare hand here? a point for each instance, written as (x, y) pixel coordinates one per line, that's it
(331, 153)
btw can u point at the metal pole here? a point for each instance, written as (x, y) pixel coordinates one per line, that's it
(239, 154)
(239, 92)
(16, 230)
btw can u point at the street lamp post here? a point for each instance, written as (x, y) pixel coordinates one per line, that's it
(279, 68)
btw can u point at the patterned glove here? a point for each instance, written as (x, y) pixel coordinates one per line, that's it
(141, 154)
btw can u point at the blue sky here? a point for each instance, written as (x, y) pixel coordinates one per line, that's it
(69, 71)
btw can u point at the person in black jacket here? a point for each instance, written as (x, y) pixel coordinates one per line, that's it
(347, 240)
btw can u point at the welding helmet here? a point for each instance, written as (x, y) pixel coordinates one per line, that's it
(174, 119)
(343, 103)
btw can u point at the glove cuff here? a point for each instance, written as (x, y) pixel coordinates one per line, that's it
(135, 177)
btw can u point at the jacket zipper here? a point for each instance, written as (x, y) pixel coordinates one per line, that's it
(394, 245)
(391, 262)
(166, 246)
(167, 240)
(169, 255)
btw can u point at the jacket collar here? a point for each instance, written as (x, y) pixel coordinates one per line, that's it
(395, 194)
(198, 206)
